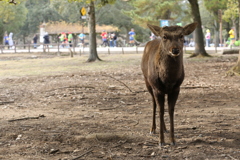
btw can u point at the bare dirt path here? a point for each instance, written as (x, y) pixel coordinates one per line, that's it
(60, 109)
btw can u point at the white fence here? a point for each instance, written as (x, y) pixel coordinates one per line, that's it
(58, 49)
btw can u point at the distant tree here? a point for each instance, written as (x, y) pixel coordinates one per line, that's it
(10, 2)
(151, 11)
(235, 70)
(199, 40)
(39, 11)
(231, 13)
(213, 7)
(93, 56)
(113, 15)
(12, 17)
(69, 12)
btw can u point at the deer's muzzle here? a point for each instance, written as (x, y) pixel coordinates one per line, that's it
(175, 52)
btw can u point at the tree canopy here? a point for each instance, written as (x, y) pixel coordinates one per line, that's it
(12, 17)
(151, 11)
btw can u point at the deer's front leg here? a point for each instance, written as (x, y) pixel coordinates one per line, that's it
(172, 98)
(159, 97)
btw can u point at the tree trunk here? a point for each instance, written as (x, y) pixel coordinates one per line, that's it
(93, 56)
(24, 41)
(199, 42)
(236, 69)
(234, 26)
(216, 31)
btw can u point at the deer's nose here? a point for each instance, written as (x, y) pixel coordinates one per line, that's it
(175, 51)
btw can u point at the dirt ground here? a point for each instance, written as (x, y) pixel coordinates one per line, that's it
(102, 110)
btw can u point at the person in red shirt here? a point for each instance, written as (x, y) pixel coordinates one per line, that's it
(104, 39)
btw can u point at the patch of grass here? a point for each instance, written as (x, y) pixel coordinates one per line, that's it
(58, 65)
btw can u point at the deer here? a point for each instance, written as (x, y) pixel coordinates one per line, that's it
(163, 72)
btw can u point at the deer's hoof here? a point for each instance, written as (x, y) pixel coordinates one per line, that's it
(152, 131)
(173, 144)
(161, 144)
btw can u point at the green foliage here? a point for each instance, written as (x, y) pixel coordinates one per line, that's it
(98, 2)
(68, 12)
(207, 17)
(39, 11)
(231, 13)
(150, 11)
(113, 15)
(12, 17)
(215, 5)
(237, 43)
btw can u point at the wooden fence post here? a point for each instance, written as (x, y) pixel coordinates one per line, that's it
(122, 51)
(43, 48)
(71, 52)
(58, 47)
(73, 46)
(29, 45)
(2, 49)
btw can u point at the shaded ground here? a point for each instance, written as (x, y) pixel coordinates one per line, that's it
(88, 112)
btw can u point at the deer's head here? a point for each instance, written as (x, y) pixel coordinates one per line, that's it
(172, 37)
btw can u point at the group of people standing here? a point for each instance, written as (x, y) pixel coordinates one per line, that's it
(46, 40)
(66, 39)
(112, 38)
(231, 37)
(8, 40)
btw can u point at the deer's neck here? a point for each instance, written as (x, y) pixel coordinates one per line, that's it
(170, 68)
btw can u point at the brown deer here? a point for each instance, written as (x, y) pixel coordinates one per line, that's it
(162, 67)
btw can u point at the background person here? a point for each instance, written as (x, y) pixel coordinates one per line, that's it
(104, 38)
(114, 40)
(208, 37)
(6, 39)
(111, 40)
(82, 36)
(131, 37)
(10, 40)
(70, 39)
(46, 40)
(192, 43)
(232, 37)
(35, 38)
(61, 38)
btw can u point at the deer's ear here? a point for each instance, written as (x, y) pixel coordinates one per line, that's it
(188, 29)
(155, 29)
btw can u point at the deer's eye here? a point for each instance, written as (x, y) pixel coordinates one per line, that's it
(181, 36)
(164, 37)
